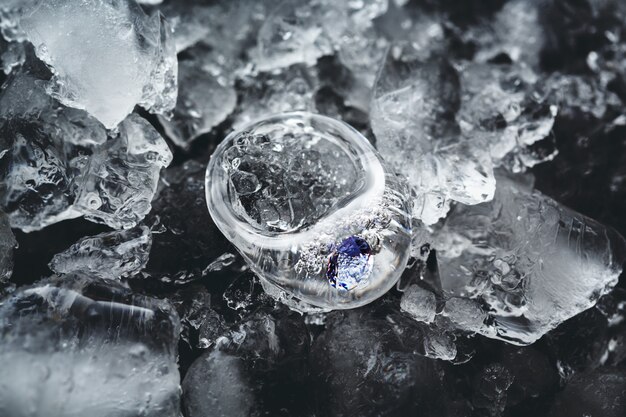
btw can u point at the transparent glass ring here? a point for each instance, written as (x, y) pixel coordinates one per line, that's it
(312, 208)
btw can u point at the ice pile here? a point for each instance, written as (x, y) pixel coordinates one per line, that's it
(80, 346)
(106, 57)
(60, 163)
(446, 126)
(271, 57)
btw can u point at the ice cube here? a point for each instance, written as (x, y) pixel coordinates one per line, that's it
(203, 103)
(445, 127)
(530, 261)
(60, 163)
(120, 179)
(286, 90)
(419, 304)
(79, 346)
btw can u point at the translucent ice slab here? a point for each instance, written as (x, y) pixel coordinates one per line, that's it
(312, 208)
(84, 347)
(518, 266)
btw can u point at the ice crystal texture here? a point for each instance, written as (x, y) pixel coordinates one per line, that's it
(84, 346)
(288, 189)
(109, 255)
(528, 261)
(106, 56)
(445, 128)
(63, 163)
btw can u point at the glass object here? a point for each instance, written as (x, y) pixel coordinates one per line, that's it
(312, 208)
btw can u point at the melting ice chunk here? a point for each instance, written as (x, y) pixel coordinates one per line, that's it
(81, 347)
(106, 56)
(108, 255)
(530, 261)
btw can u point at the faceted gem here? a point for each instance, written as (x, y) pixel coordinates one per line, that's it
(350, 264)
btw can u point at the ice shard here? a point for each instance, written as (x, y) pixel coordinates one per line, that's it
(109, 255)
(525, 262)
(80, 346)
(121, 176)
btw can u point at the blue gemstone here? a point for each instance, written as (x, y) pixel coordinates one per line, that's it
(350, 263)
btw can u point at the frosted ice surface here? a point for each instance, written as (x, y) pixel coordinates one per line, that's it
(106, 56)
(78, 347)
(530, 261)
(445, 127)
(7, 245)
(419, 303)
(121, 177)
(109, 255)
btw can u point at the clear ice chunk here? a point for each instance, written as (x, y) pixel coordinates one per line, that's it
(106, 57)
(59, 163)
(76, 347)
(37, 166)
(309, 204)
(109, 255)
(524, 262)
(122, 175)
(446, 127)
